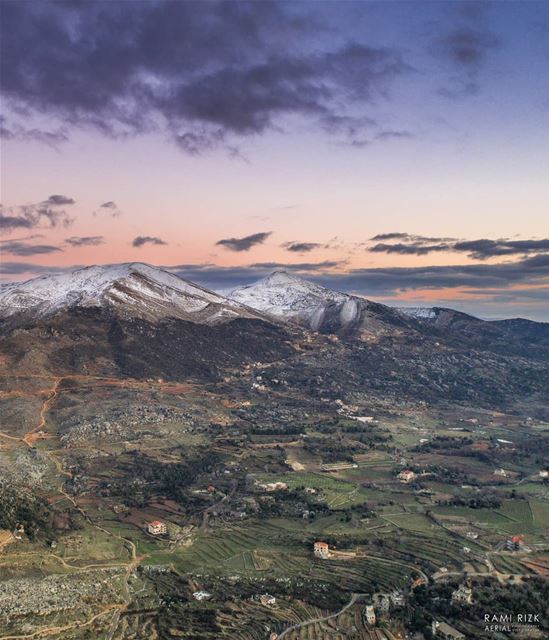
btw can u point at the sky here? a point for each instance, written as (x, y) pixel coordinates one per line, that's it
(395, 150)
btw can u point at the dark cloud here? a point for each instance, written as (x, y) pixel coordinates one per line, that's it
(57, 200)
(302, 267)
(30, 216)
(390, 236)
(385, 282)
(31, 269)
(483, 249)
(246, 243)
(479, 249)
(466, 48)
(22, 248)
(13, 131)
(414, 248)
(85, 241)
(301, 247)
(139, 241)
(9, 222)
(202, 72)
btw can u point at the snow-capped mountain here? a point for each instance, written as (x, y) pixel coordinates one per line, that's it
(419, 313)
(133, 289)
(290, 297)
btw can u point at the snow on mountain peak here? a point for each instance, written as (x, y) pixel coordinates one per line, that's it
(286, 295)
(137, 288)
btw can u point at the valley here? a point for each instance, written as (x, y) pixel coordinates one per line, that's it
(168, 478)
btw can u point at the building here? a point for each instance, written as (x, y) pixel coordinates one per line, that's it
(397, 598)
(202, 595)
(406, 476)
(515, 543)
(267, 600)
(463, 594)
(157, 528)
(544, 473)
(382, 602)
(445, 631)
(274, 486)
(321, 550)
(370, 614)
(500, 472)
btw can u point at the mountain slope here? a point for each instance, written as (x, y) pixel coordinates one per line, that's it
(130, 320)
(289, 297)
(517, 336)
(131, 290)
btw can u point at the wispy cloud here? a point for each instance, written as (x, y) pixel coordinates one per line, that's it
(23, 248)
(245, 243)
(140, 241)
(301, 247)
(46, 213)
(85, 241)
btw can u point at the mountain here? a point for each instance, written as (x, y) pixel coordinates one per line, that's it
(517, 336)
(130, 320)
(131, 290)
(290, 297)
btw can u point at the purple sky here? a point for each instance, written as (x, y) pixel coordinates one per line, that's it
(227, 139)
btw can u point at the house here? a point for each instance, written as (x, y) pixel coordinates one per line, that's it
(515, 543)
(382, 602)
(370, 615)
(267, 599)
(463, 594)
(472, 535)
(321, 550)
(157, 528)
(445, 631)
(202, 595)
(406, 476)
(544, 473)
(500, 472)
(274, 486)
(397, 598)
(418, 582)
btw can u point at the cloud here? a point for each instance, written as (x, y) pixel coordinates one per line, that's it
(202, 73)
(110, 207)
(30, 216)
(85, 241)
(22, 248)
(414, 248)
(483, 249)
(390, 236)
(15, 131)
(301, 247)
(29, 268)
(58, 200)
(246, 243)
(466, 48)
(139, 241)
